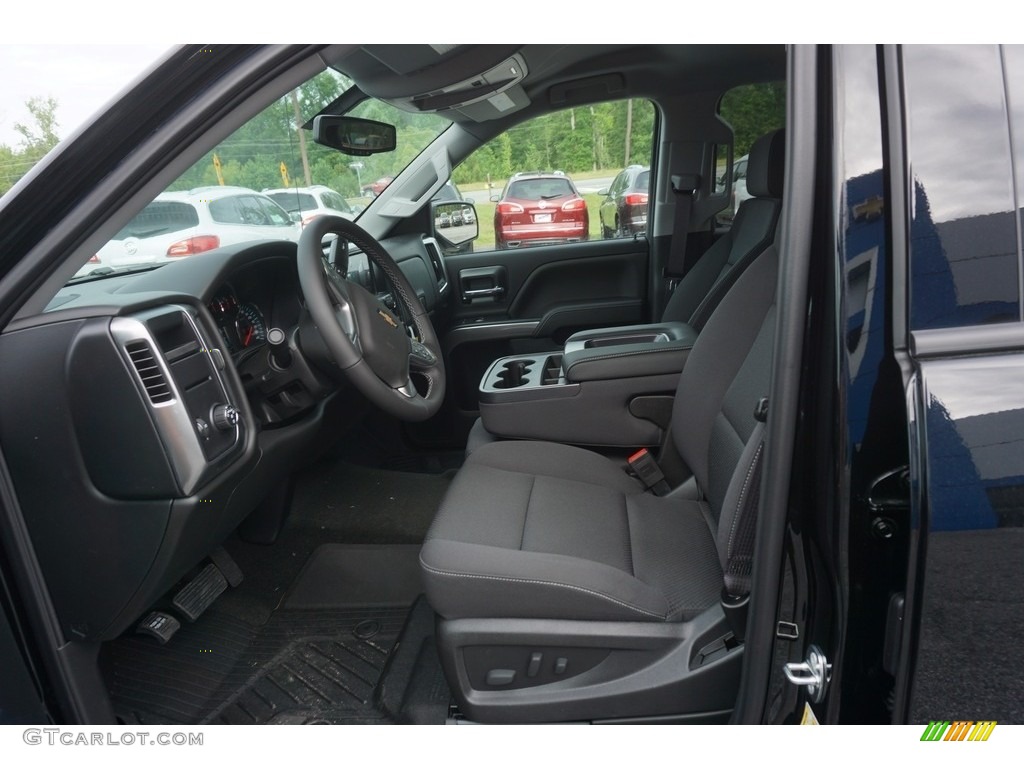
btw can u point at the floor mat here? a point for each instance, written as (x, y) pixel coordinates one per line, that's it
(357, 574)
(368, 664)
(333, 502)
(367, 506)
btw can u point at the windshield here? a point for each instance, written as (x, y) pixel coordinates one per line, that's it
(267, 180)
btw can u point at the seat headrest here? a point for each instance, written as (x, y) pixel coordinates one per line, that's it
(766, 166)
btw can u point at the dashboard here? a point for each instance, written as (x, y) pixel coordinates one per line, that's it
(155, 406)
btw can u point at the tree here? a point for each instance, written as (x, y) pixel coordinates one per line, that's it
(753, 110)
(37, 138)
(41, 137)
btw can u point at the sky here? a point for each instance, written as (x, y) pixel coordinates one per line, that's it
(82, 78)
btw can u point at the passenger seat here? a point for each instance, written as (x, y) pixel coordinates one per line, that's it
(753, 230)
(706, 284)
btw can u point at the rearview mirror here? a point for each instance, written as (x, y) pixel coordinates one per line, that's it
(354, 135)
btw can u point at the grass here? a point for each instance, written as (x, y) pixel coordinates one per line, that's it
(485, 215)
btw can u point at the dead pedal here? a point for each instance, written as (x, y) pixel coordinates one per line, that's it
(199, 594)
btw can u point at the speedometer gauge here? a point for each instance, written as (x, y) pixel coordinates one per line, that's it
(250, 325)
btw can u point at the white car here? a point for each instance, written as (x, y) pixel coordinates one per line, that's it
(178, 224)
(739, 183)
(306, 203)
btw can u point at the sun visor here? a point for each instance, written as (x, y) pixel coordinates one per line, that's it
(489, 86)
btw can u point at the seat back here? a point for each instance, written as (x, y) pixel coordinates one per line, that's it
(752, 232)
(727, 372)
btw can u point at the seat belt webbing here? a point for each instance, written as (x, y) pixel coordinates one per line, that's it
(685, 187)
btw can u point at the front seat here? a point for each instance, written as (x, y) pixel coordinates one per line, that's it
(567, 592)
(752, 232)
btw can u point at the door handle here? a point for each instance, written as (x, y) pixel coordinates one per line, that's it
(482, 283)
(479, 292)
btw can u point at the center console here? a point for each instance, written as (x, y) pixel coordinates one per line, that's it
(607, 387)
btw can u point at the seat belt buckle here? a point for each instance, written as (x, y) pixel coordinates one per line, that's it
(647, 470)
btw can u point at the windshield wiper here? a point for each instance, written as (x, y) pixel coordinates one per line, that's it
(101, 272)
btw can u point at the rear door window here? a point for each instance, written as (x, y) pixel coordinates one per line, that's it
(294, 202)
(160, 217)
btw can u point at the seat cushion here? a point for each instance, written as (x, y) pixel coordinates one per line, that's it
(541, 530)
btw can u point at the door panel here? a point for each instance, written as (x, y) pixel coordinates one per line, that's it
(524, 301)
(971, 595)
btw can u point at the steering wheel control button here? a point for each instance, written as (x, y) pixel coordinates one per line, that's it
(499, 677)
(280, 355)
(159, 625)
(203, 429)
(420, 352)
(225, 417)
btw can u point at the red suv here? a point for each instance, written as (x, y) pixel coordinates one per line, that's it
(540, 209)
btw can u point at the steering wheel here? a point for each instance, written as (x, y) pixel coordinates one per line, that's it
(368, 342)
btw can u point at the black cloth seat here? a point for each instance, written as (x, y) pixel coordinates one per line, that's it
(752, 231)
(533, 529)
(541, 530)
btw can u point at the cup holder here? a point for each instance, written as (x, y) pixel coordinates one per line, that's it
(513, 374)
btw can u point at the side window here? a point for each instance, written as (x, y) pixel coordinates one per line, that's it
(964, 260)
(226, 211)
(539, 183)
(274, 215)
(337, 202)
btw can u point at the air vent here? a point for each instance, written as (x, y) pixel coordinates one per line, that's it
(146, 366)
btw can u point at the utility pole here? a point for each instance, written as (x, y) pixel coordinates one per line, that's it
(302, 139)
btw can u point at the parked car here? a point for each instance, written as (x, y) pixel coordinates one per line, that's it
(375, 188)
(739, 183)
(178, 224)
(540, 209)
(448, 193)
(307, 203)
(623, 211)
(226, 481)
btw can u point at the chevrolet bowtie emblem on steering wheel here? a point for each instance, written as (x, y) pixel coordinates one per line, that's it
(388, 318)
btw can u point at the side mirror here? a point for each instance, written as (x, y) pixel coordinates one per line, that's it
(455, 225)
(604, 192)
(354, 135)
(495, 198)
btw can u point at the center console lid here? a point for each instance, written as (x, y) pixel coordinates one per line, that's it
(627, 351)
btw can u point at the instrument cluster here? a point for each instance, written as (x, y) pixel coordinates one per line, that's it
(241, 324)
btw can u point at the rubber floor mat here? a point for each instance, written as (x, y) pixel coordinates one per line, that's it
(303, 666)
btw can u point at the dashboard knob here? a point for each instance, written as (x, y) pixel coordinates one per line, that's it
(225, 417)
